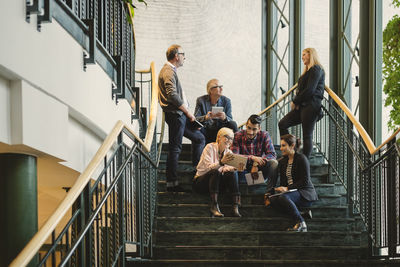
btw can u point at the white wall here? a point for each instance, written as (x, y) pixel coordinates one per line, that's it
(44, 92)
(221, 39)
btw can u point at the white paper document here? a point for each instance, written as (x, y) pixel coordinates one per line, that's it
(251, 181)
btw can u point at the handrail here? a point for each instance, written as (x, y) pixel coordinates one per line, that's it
(30, 250)
(364, 135)
(386, 141)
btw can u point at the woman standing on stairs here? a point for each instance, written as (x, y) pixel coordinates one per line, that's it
(213, 175)
(306, 105)
(296, 186)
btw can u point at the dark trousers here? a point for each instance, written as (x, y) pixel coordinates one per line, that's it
(290, 202)
(307, 116)
(213, 182)
(178, 127)
(210, 133)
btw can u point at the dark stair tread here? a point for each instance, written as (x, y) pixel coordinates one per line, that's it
(250, 219)
(263, 263)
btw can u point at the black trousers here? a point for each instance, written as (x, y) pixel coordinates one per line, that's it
(214, 182)
(211, 133)
(307, 116)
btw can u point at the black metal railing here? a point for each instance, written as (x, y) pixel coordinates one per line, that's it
(102, 29)
(115, 209)
(371, 179)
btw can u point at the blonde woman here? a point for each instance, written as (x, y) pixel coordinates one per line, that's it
(306, 105)
(213, 175)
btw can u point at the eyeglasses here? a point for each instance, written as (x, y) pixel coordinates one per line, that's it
(217, 86)
(228, 137)
(183, 54)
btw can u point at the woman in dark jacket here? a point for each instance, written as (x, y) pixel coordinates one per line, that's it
(306, 105)
(294, 171)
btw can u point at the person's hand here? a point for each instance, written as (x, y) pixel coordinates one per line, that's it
(260, 161)
(254, 169)
(281, 189)
(227, 157)
(221, 115)
(228, 169)
(208, 116)
(292, 105)
(190, 116)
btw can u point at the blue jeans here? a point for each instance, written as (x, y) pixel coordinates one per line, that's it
(269, 171)
(307, 116)
(178, 127)
(290, 202)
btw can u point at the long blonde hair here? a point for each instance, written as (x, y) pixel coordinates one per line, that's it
(314, 59)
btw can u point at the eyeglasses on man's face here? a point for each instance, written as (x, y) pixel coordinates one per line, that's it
(181, 53)
(217, 86)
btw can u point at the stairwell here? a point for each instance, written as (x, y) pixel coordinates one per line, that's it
(186, 235)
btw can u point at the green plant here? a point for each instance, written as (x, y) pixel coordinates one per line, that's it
(130, 9)
(391, 67)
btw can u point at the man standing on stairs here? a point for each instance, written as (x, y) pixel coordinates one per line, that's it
(179, 119)
(258, 147)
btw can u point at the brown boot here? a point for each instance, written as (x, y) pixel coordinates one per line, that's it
(214, 209)
(236, 204)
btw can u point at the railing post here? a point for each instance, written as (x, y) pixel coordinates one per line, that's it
(121, 199)
(392, 208)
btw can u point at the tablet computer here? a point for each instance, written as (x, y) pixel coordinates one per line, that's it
(215, 110)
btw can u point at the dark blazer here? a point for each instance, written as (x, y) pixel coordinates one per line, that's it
(203, 105)
(300, 174)
(311, 88)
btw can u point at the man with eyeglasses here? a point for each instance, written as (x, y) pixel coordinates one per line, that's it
(258, 147)
(213, 121)
(177, 115)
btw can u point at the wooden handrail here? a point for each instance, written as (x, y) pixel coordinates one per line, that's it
(364, 135)
(31, 249)
(387, 141)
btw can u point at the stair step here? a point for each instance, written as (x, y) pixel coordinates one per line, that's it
(261, 263)
(202, 210)
(257, 238)
(186, 175)
(256, 189)
(254, 224)
(186, 165)
(194, 198)
(259, 252)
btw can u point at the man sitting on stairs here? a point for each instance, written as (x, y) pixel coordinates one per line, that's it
(257, 146)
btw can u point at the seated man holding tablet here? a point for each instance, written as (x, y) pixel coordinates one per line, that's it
(257, 146)
(214, 111)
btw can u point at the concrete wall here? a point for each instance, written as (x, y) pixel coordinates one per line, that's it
(221, 39)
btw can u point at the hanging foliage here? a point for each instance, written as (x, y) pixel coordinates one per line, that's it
(391, 68)
(130, 9)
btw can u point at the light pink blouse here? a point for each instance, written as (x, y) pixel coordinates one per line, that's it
(209, 159)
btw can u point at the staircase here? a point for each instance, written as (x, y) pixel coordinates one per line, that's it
(185, 235)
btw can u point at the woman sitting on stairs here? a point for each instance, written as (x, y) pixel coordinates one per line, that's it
(213, 175)
(296, 185)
